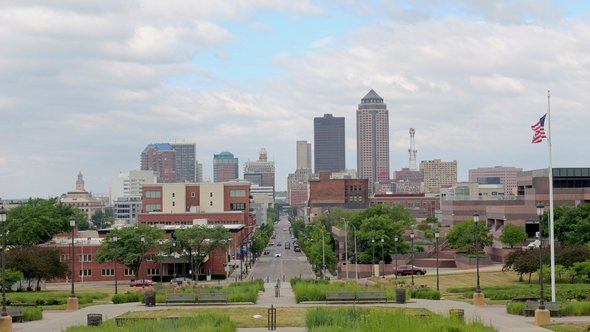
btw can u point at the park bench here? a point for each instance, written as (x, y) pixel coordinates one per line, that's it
(340, 296)
(525, 298)
(371, 296)
(213, 298)
(553, 307)
(122, 321)
(16, 313)
(180, 298)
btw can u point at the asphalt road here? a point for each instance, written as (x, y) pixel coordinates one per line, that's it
(290, 264)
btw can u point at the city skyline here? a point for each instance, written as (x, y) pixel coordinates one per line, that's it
(87, 85)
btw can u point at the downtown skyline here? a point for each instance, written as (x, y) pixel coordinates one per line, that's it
(86, 86)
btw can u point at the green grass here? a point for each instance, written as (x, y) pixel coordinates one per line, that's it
(564, 292)
(203, 323)
(567, 327)
(54, 299)
(354, 319)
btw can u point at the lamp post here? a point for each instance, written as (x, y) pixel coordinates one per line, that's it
(382, 258)
(346, 246)
(395, 239)
(142, 258)
(3, 221)
(174, 254)
(356, 260)
(115, 238)
(373, 258)
(412, 246)
(323, 256)
(161, 243)
(436, 236)
(478, 297)
(540, 211)
(72, 300)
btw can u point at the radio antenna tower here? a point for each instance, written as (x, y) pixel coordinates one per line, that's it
(412, 150)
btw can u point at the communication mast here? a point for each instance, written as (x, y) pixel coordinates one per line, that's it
(412, 150)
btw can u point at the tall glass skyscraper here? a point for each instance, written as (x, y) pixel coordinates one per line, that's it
(185, 161)
(372, 140)
(328, 139)
(225, 167)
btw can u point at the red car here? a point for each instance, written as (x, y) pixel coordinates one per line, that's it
(141, 283)
(407, 270)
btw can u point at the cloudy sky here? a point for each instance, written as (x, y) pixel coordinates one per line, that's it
(86, 85)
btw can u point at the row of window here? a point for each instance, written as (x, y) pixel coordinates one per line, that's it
(81, 258)
(111, 272)
(153, 194)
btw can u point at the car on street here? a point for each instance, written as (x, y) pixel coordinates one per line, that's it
(179, 280)
(296, 249)
(287, 245)
(141, 283)
(278, 254)
(279, 244)
(408, 270)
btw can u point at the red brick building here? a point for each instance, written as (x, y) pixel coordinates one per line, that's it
(326, 192)
(419, 205)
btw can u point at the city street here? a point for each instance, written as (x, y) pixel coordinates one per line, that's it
(290, 264)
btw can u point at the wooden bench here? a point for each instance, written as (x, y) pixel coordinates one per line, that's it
(213, 298)
(525, 298)
(340, 296)
(371, 296)
(553, 307)
(16, 313)
(180, 298)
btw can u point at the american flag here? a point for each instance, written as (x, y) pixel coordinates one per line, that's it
(539, 129)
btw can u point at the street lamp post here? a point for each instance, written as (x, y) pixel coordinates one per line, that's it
(382, 258)
(356, 259)
(436, 236)
(478, 297)
(373, 258)
(161, 243)
(142, 259)
(395, 254)
(346, 246)
(3, 221)
(72, 300)
(174, 254)
(412, 246)
(5, 320)
(542, 315)
(115, 239)
(323, 256)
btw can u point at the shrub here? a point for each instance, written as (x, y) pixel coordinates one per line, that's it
(31, 314)
(515, 308)
(429, 294)
(574, 308)
(125, 298)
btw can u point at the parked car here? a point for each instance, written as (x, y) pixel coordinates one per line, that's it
(296, 249)
(141, 283)
(407, 270)
(287, 245)
(179, 280)
(278, 254)
(279, 244)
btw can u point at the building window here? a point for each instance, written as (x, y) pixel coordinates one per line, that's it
(128, 272)
(173, 195)
(153, 207)
(85, 272)
(237, 193)
(193, 194)
(84, 258)
(210, 203)
(237, 206)
(210, 194)
(64, 258)
(153, 272)
(152, 194)
(107, 272)
(173, 203)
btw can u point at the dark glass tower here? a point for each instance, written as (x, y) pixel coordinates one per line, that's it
(328, 138)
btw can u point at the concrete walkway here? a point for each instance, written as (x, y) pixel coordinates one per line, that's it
(58, 320)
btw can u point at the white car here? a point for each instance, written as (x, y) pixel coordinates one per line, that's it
(278, 254)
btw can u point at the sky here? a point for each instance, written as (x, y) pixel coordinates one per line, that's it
(86, 85)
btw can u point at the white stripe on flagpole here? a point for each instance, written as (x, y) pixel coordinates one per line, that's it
(551, 233)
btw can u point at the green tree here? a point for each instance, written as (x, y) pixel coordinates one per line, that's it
(102, 219)
(39, 220)
(523, 262)
(513, 234)
(129, 249)
(581, 270)
(462, 236)
(314, 250)
(369, 237)
(12, 277)
(37, 263)
(569, 254)
(572, 225)
(200, 241)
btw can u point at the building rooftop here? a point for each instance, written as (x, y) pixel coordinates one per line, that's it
(372, 95)
(159, 147)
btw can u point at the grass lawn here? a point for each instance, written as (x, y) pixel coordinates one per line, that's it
(567, 327)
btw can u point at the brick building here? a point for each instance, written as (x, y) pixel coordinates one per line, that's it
(419, 205)
(327, 192)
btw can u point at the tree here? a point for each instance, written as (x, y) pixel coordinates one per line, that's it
(12, 277)
(522, 262)
(569, 254)
(102, 219)
(39, 220)
(37, 263)
(512, 234)
(314, 250)
(581, 270)
(200, 241)
(375, 228)
(572, 225)
(462, 236)
(128, 248)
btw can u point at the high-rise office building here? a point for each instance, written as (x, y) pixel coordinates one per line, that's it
(225, 167)
(328, 140)
(303, 155)
(160, 158)
(261, 172)
(506, 176)
(438, 173)
(185, 161)
(372, 140)
(198, 171)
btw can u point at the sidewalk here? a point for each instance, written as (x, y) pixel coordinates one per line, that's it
(490, 315)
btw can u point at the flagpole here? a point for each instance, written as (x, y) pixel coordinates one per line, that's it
(551, 232)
